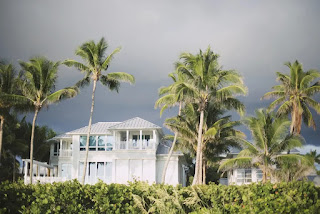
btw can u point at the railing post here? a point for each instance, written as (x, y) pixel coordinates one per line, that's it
(140, 139)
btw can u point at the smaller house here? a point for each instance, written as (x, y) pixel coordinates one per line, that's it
(241, 176)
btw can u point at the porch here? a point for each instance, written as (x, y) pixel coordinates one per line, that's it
(42, 172)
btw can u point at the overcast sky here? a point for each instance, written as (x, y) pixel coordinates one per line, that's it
(253, 37)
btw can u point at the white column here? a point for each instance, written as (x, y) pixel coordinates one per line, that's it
(115, 141)
(140, 139)
(60, 147)
(154, 139)
(127, 139)
(25, 171)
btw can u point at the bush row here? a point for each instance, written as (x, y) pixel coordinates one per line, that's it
(139, 197)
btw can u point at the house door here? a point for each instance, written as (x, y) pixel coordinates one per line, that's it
(66, 170)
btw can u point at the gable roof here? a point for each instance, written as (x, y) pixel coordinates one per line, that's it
(135, 123)
(97, 128)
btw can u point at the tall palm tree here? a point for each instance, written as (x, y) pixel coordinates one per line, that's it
(206, 80)
(36, 84)
(96, 62)
(171, 97)
(219, 133)
(271, 139)
(294, 95)
(7, 86)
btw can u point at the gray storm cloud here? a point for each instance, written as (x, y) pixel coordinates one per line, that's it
(253, 37)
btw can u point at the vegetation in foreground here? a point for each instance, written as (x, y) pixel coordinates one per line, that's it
(139, 197)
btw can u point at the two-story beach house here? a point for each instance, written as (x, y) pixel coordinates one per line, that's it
(118, 152)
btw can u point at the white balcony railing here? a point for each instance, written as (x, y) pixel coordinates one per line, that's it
(135, 145)
(44, 180)
(65, 152)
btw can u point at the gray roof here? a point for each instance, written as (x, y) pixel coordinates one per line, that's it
(235, 151)
(164, 149)
(61, 136)
(97, 128)
(105, 127)
(135, 123)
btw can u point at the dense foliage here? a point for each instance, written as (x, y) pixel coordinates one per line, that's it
(139, 197)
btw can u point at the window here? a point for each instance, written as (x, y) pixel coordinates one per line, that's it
(56, 149)
(259, 174)
(83, 141)
(101, 143)
(244, 176)
(144, 137)
(92, 143)
(97, 170)
(97, 143)
(110, 141)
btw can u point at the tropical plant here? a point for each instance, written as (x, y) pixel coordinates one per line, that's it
(219, 133)
(7, 86)
(171, 97)
(314, 156)
(205, 81)
(96, 62)
(36, 83)
(271, 141)
(294, 95)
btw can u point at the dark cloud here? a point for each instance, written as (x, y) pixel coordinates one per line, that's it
(253, 37)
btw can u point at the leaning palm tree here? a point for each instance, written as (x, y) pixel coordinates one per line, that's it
(7, 86)
(36, 84)
(96, 62)
(294, 95)
(206, 81)
(271, 139)
(171, 97)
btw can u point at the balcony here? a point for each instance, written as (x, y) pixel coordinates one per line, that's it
(65, 153)
(135, 145)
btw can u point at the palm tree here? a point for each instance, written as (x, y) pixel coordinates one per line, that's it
(294, 95)
(171, 97)
(7, 86)
(219, 133)
(206, 81)
(314, 156)
(36, 83)
(95, 63)
(271, 139)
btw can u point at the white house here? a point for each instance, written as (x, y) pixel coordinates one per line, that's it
(241, 176)
(118, 152)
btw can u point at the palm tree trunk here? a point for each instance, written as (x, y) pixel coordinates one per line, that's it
(164, 172)
(200, 166)
(31, 142)
(88, 134)
(204, 172)
(1, 134)
(199, 147)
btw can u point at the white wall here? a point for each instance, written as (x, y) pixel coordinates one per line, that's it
(172, 175)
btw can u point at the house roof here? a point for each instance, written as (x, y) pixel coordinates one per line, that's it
(97, 128)
(235, 151)
(135, 123)
(164, 149)
(61, 136)
(105, 127)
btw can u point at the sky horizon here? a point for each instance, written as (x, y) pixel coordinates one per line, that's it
(254, 38)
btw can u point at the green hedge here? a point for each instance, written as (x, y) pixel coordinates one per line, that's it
(139, 197)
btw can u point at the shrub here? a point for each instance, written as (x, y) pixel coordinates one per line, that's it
(139, 197)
